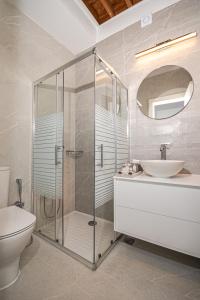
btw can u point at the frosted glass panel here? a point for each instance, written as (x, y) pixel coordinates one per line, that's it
(105, 161)
(47, 157)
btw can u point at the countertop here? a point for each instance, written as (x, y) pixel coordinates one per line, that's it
(186, 180)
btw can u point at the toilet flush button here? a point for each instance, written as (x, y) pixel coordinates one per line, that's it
(145, 19)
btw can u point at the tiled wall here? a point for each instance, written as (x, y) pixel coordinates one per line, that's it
(182, 130)
(26, 54)
(79, 136)
(84, 136)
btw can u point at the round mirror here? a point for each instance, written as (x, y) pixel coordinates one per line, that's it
(165, 92)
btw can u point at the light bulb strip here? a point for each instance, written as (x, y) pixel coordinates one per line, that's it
(166, 44)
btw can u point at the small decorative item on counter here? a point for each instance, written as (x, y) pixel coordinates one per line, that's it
(136, 165)
(130, 172)
(129, 168)
(125, 168)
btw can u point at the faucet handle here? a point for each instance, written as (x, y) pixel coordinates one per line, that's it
(165, 146)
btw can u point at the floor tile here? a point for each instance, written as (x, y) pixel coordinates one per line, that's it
(131, 272)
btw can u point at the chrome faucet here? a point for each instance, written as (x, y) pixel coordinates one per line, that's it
(163, 150)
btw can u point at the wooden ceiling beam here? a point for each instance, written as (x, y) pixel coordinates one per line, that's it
(108, 8)
(103, 10)
(136, 1)
(92, 10)
(129, 3)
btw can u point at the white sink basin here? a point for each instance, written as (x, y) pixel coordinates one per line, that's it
(162, 168)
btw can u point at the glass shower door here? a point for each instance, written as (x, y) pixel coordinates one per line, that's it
(121, 122)
(48, 157)
(79, 158)
(105, 159)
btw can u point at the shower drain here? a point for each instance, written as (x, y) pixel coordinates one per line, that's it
(92, 223)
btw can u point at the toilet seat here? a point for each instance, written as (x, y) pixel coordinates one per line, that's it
(14, 220)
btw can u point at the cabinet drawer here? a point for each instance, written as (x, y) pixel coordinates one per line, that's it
(174, 201)
(171, 233)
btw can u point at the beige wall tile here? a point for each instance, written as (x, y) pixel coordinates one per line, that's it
(26, 53)
(182, 130)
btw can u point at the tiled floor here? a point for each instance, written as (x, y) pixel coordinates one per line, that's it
(79, 236)
(137, 272)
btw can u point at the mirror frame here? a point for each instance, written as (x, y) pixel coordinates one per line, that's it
(179, 110)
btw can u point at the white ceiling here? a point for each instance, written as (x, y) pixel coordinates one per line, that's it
(72, 25)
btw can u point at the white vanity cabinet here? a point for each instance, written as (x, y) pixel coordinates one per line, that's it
(163, 211)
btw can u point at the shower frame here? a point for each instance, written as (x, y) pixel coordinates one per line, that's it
(109, 70)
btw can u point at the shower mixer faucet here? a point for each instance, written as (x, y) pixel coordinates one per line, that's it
(163, 150)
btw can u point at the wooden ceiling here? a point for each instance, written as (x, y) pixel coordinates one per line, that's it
(104, 10)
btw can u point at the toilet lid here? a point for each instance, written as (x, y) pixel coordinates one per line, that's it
(13, 220)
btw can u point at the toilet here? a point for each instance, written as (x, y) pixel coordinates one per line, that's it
(16, 227)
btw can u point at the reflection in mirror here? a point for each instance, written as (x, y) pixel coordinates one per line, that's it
(165, 92)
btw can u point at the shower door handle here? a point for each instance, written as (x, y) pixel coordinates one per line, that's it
(57, 148)
(101, 155)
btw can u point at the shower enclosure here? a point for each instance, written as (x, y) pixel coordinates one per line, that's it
(80, 140)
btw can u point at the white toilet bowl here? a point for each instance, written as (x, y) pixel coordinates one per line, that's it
(16, 227)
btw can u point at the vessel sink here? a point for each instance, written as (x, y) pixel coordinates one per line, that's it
(162, 168)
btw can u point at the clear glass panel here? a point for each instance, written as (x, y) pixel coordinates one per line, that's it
(122, 125)
(105, 159)
(79, 158)
(121, 122)
(47, 157)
